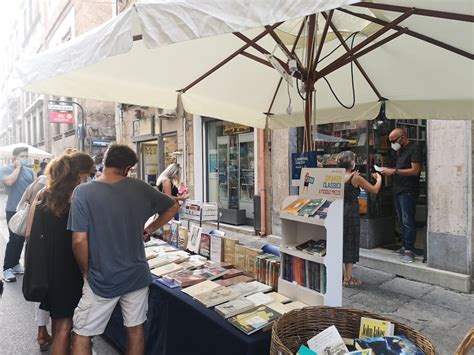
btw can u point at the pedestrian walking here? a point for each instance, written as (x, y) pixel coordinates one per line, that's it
(16, 178)
(107, 218)
(406, 188)
(353, 182)
(50, 219)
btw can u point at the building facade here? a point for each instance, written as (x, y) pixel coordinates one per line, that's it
(24, 117)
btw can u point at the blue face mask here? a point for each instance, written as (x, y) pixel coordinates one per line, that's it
(24, 162)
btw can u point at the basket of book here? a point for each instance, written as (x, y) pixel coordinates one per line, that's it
(338, 330)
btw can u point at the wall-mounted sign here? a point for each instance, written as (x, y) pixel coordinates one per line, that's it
(61, 117)
(62, 108)
(300, 161)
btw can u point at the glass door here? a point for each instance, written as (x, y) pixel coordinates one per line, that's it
(223, 163)
(247, 173)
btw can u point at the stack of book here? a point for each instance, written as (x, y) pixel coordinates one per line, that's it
(316, 207)
(267, 269)
(304, 272)
(313, 247)
(376, 337)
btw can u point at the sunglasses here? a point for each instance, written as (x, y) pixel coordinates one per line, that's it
(396, 140)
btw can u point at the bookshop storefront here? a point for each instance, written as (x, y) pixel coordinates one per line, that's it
(230, 169)
(369, 141)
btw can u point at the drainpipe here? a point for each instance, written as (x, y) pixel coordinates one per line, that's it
(261, 180)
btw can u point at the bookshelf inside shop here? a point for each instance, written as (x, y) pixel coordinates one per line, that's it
(369, 141)
(313, 275)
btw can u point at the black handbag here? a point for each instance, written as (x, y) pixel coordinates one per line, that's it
(35, 279)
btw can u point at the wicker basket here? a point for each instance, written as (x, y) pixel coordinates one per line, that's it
(295, 328)
(467, 344)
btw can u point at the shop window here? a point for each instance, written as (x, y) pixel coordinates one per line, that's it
(230, 171)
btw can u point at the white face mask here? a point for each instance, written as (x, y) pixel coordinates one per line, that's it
(396, 146)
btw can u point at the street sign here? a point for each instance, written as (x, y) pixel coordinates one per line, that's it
(62, 108)
(61, 117)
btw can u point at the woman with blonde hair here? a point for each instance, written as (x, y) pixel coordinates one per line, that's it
(168, 182)
(50, 219)
(353, 182)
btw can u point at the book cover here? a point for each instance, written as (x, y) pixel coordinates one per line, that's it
(212, 272)
(186, 278)
(279, 307)
(244, 288)
(239, 258)
(217, 248)
(250, 260)
(261, 287)
(205, 245)
(234, 280)
(229, 250)
(194, 239)
(257, 318)
(234, 307)
(222, 264)
(278, 297)
(166, 269)
(390, 345)
(232, 273)
(295, 206)
(216, 296)
(313, 247)
(329, 341)
(171, 283)
(201, 287)
(304, 350)
(360, 352)
(182, 237)
(295, 305)
(174, 232)
(322, 212)
(166, 233)
(310, 209)
(260, 298)
(373, 328)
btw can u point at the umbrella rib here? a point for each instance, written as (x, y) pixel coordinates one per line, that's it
(228, 59)
(262, 50)
(361, 69)
(323, 38)
(285, 49)
(418, 11)
(412, 34)
(257, 59)
(337, 63)
(365, 51)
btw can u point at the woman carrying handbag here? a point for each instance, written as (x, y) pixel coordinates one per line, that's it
(52, 276)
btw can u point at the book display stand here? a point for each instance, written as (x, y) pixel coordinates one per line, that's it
(314, 278)
(192, 210)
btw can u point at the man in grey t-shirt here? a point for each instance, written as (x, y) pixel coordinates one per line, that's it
(16, 178)
(107, 218)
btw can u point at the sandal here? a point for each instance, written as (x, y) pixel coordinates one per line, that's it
(44, 343)
(352, 282)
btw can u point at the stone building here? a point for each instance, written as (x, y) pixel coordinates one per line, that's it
(24, 117)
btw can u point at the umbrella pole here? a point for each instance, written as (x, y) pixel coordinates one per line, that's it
(309, 83)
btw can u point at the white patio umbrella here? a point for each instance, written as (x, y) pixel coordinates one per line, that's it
(415, 56)
(7, 151)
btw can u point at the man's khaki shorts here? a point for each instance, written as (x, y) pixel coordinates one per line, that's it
(93, 312)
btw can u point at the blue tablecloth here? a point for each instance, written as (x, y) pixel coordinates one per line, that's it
(179, 325)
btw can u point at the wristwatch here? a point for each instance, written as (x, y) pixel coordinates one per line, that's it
(397, 172)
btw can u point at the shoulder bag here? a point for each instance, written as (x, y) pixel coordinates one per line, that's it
(35, 279)
(19, 220)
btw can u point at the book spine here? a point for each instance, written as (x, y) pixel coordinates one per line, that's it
(317, 278)
(322, 273)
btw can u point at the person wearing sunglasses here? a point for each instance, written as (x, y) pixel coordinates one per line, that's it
(405, 187)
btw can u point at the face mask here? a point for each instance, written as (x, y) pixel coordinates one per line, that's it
(24, 162)
(396, 146)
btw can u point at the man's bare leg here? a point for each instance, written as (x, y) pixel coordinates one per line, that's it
(136, 340)
(81, 345)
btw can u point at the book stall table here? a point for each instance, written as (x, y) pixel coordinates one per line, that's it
(179, 325)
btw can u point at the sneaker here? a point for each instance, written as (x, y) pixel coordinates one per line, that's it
(18, 270)
(9, 275)
(408, 257)
(400, 251)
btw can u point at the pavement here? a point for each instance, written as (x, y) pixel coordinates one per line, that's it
(442, 315)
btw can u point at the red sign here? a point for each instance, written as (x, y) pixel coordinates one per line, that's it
(61, 117)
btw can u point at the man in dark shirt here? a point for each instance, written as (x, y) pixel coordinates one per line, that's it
(406, 187)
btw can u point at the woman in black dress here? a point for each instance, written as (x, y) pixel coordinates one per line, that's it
(50, 219)
(353, 182)
(168, 184)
